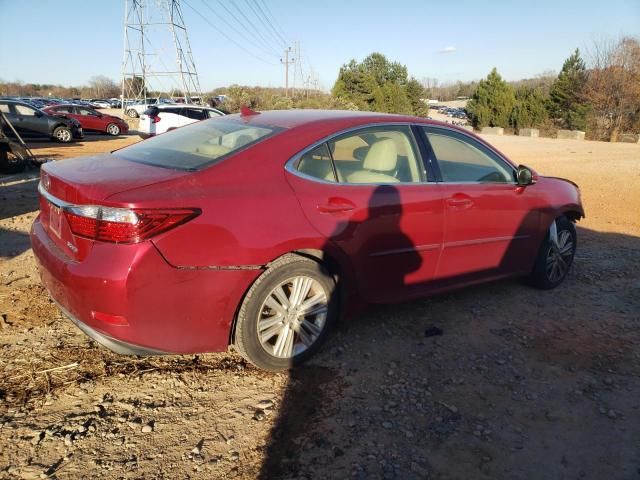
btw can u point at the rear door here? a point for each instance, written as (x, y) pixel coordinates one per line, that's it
(490, 223)
(366, 192)
(89, 119)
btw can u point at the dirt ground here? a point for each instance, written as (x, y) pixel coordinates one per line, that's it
(521, 384)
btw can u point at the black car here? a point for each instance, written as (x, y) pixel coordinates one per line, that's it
(31, 122)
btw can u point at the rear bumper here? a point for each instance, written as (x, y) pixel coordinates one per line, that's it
(112, 344)
(167, 310)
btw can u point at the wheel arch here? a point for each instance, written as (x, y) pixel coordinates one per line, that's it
(340, 272)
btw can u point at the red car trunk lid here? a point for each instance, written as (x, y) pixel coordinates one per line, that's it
(89, 181)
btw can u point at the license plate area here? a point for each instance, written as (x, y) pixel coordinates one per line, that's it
(55, 219)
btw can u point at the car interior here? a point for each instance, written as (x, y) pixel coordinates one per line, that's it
(373, 156)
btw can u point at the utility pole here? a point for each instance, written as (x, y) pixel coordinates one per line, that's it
(286, 63)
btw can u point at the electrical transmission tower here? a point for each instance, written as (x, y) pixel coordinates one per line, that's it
(155, 35)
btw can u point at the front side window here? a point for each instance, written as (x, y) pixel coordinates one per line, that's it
(196, 146)
(377, 155)
(4, 108)
(463, 160)
(87, 112)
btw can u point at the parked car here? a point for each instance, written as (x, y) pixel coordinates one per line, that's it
(159, 119)
(31, 122)
(258, 229)
(135, 109)
(100, 103)
(90, 119)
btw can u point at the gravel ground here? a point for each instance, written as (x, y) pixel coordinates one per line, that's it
(520, 383)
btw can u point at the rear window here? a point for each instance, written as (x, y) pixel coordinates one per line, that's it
(198, 145)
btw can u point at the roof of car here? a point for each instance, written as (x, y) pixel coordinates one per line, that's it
(296, 118)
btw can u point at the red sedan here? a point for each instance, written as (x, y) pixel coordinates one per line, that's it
(91, 119)
(256, 230)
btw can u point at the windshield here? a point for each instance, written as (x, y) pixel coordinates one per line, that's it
(196, 146)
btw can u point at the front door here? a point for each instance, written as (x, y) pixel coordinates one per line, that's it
(490, 223)
(365, 192)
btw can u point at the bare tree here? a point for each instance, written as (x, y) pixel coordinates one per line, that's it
(103, 87)
(613, 85)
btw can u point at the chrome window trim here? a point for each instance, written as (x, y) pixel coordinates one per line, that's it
(291, 166)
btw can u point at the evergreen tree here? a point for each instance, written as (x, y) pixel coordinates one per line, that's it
(416, 94)
(377, 85)
(492, 102)
(566, 105)
(530, 108)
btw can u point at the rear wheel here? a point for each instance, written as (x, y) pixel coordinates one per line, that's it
(113, 129)
(62, 134)
(555, 255)
(286, 314)
(132, 113)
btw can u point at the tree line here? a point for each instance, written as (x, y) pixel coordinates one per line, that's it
(602, 99)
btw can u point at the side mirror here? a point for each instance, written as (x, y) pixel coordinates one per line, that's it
(524, 176)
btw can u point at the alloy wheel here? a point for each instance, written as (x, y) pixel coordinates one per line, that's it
(559, 256)
(113, 130)
(63, 135)
(292, 317)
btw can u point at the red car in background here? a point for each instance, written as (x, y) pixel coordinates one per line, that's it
(91, 119)
(255, 230)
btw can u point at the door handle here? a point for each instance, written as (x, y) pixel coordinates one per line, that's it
(459, 201)
(336, 205)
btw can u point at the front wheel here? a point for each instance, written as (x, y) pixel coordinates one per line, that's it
(555, 255)
(286, 313)
(113, 129)
(62, 134)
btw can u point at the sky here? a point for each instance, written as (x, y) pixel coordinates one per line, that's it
(40, 42)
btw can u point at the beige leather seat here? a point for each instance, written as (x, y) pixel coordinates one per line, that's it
(378, 165)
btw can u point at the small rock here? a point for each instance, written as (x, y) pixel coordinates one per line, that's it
(387, 425)
(148, 428)
(264, 404)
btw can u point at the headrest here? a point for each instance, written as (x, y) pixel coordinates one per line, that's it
(382, 156)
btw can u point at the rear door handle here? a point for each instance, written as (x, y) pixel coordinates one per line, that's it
(459, 201)
(336, 205)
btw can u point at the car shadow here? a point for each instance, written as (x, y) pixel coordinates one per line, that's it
(468, 384)
(17, 197)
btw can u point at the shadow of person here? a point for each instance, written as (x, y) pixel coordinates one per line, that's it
(383, 255)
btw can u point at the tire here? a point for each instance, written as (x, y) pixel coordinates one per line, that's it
(292, 338)
(545, 275)
(132, 113)
(62, 134)
(113, 129)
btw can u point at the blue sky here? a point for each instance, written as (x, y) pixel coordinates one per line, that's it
(69, 41)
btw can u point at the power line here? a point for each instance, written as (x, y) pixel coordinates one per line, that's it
(275, 21)
(255, 29)
(265, 21)
(227, 36)
(239, 31)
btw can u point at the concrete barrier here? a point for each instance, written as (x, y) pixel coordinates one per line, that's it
(570, 135)
(492, 130)
(629, 138)
(529, 132)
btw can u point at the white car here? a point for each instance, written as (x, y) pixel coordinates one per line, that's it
(100, 104)
(162, 118)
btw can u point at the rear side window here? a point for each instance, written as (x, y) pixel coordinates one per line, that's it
(4, 108)
(193, 113)
(198, 145)
(317, 163)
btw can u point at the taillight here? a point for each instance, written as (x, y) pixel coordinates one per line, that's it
(155, 118)
(124, 225)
